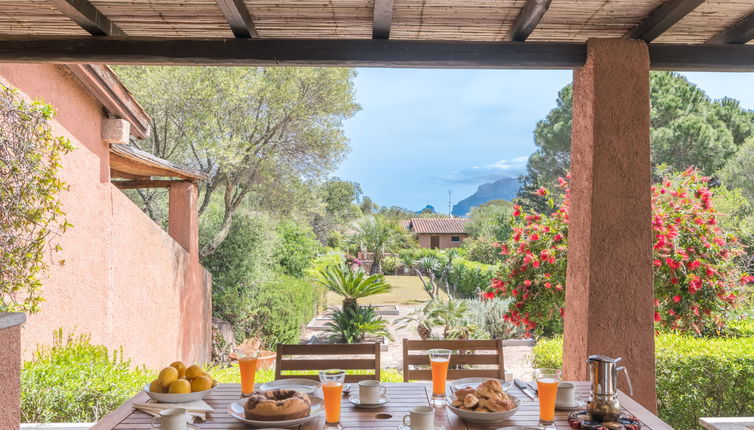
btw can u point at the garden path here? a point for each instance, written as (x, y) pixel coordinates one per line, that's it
(408, 295)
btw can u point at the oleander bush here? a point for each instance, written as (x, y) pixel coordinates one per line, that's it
(76, 381)
(696, 377)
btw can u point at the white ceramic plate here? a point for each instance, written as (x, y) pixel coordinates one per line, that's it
(302, 385)
(383, 400)
(485, 417)
(177, 398)
(474, 382)
(235, 410)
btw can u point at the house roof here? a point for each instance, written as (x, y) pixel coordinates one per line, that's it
(140, 167)
(436, 225)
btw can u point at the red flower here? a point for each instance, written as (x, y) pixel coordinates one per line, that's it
(534, 236)
(657, 263)
(541, 191)
(557, 238)
(527, 283)
(548, 285)
(657, 317)
(676, 298)
(488, 295)
(516, 210)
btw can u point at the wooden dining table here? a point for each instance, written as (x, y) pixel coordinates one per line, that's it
(403, 397)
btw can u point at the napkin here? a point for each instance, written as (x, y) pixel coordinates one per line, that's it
(194, 410)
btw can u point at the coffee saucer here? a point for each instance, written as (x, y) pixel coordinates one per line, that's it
(436, 427)
(580, 404)
(383, 400)
(189, 426)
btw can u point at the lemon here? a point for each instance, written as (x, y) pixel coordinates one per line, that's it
(180, 367)
(207, 375)
(167, 376)
(156, 387)
(201, 383)
(193, 371)
(180, 386)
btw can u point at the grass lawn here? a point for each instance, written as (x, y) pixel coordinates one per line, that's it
(407, 290)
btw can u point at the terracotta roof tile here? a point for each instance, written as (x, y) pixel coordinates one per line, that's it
(436, 225)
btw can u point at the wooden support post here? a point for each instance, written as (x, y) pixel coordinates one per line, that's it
(609, 296)
(183, 217)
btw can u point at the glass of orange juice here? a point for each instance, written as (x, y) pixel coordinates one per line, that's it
(439, 359)
(332, 389)
(547, 388)
(247, 364)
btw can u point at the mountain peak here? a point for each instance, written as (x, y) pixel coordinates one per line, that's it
(501, 189)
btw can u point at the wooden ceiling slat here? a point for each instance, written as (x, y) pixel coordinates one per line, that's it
(528, 20)
(662, 19)
(88, 17)
(740, 32)
(461, 20)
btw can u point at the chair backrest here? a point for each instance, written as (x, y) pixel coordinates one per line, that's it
(294, 358)
(464, 352)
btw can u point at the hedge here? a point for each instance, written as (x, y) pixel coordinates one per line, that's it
(696, 377)
(468, 277)
(282, 307)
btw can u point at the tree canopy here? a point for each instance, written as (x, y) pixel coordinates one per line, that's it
(262, 134)
(687, 129)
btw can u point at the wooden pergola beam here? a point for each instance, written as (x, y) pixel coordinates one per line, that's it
(527, 20)
(740, 32)
(662, 18)
(88, 17)
(383, 19)
(238, 18)
(354, 53)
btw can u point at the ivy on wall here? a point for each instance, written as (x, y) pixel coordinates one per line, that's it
(30, 209)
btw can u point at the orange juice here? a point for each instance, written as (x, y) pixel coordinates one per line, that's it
(248, 367)
(333, 391)
(548, 390)
(439, 375)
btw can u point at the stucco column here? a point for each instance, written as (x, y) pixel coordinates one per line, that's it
(10, 367)
(609, 294)
(183, 216)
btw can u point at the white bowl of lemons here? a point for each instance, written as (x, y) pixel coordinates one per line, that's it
(179, 383)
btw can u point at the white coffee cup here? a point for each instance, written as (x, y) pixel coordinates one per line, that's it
(370, 392)
(566, 394)
(170, 419)
(420, 418)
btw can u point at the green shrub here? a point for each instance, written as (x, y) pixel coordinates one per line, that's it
(390, 264)
(481, 250)
(488, 315)
(281, 309)
(244, 259)
(76, 381)
(470, 277)
(297, 248)
(696, 377)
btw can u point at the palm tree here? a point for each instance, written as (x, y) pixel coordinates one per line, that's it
(377, 235)
(351, 284)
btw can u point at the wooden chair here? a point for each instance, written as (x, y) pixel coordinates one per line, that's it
(339, 350)
(464, 352)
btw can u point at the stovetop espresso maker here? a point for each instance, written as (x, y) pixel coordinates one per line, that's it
(603, 375)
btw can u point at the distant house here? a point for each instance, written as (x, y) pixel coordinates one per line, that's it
(437, 233)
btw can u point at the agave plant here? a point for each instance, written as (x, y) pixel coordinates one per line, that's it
(351, 284)
(352, 325)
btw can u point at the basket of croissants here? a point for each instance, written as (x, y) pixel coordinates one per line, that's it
(486, 403)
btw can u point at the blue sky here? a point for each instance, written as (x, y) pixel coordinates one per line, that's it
(423, 132)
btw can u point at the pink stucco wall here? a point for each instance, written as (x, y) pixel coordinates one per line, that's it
(124, 279)
(445, 243)
(10, 361)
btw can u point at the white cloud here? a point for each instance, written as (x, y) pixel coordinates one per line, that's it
(489, 172)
